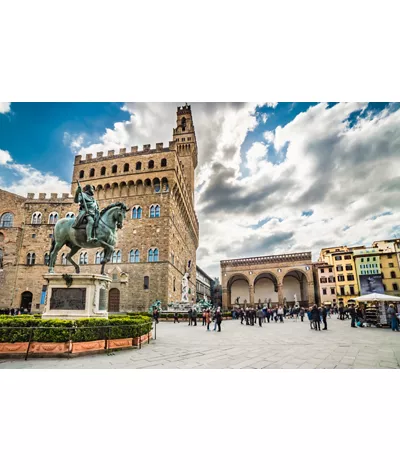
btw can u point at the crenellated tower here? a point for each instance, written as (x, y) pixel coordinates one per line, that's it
(186, 145)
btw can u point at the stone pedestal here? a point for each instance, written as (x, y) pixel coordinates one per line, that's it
(75, 296)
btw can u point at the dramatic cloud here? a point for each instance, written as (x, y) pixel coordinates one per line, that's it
(330, 176)
(5, 107)
(74, 142)
(30, 180)
(5, 157)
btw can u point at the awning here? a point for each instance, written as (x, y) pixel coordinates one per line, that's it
(377, 298)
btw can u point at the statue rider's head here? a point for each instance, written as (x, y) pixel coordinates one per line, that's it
(89, 189)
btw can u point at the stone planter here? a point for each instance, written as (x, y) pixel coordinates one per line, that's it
(142, 339)
(87, 346)
(13, 348)
(50, 348)
(120, 343)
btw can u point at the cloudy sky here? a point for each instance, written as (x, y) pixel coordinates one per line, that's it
(272, 177)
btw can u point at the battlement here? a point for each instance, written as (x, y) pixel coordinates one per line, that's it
(184, 109)
(146, 150)
(54, 197)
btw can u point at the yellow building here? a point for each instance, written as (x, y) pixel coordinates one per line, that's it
(344, 270)
(389, 254)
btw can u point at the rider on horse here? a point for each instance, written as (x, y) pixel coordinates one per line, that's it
(88, 208)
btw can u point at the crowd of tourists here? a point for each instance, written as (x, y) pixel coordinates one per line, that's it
(208, 316)
(316, 315)
(13, 311)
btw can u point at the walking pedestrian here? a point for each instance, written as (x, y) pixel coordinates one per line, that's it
(204, 318)
(218, 319)
(352, 312)
(208, 319)
(315, 314)
(260, 316)
(394, 321)
(280, 312)
(324, 314)
(190, 311)
(302, 314)
(309, 315)
(176, 317)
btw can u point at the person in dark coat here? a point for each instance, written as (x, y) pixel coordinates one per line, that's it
(218, 319)
(241, 314)
(316, 318)
(324, 314)
(394, 321)
(190, 313)
(352, 312)
(176, 317)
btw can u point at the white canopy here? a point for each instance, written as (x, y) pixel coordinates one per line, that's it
(377, 298)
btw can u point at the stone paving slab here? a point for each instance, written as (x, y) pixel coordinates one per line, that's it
(291, 345)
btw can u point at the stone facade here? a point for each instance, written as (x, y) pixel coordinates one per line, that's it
(275, 279)
(157, 184)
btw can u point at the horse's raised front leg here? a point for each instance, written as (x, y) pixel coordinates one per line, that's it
(73, 252)
(53, 255)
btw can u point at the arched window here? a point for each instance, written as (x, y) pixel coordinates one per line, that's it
(103, 171)
(183, 123)
(146, 282)
(114, 169)
(91, 172)
(81, 174)
(126, 167)
(155, 255)
(137, 212)
(53, 217)
(163, 162)
(36, 218)
(46, 259)
(150, 256)
(64, 259)
(70, 215)
(392, 274)
(154, 210)
(151, 165)
(138, 166)
(157, 187)
(116, 257)
(83, 258)
(6, 220)
(30, 259)
(99, 257)
(134, 256)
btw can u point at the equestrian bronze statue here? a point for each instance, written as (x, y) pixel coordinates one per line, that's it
(91, 229)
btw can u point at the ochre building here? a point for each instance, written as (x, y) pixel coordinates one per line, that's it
(158, 241)
(268, 279)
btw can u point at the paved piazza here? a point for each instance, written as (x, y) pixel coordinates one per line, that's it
(291, 345)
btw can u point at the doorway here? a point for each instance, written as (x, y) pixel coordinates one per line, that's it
(113, 300)
(26, 300)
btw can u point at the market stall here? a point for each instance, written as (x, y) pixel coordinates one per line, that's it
(375, 310)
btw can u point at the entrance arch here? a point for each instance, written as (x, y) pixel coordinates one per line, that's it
(113, 300)
(295, 282)
(265, 289)
(26, 300)
(238, 289)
